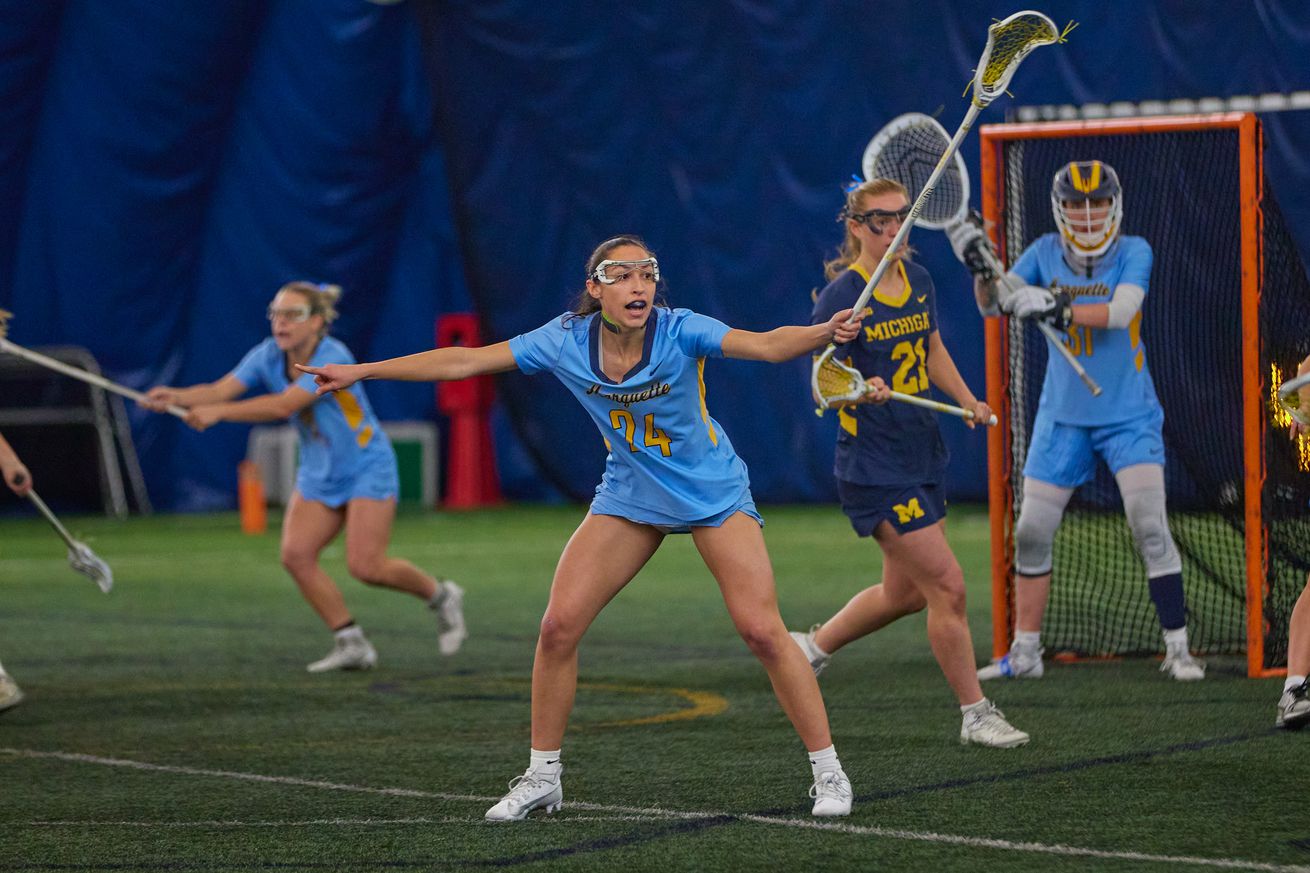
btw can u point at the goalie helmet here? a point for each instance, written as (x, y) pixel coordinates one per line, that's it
(1087, 202)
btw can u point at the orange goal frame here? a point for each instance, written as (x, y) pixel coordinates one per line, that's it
(1250, 187)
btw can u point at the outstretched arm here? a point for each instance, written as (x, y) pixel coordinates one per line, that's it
(266, 407)
(162, 396)
(436, 365)
(785, 343)
(12, 470)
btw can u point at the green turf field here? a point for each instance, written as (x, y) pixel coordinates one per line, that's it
(171, 724)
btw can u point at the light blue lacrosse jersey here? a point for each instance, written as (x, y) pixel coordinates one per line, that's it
(343, 451)
(1114, 357)
(669, 461)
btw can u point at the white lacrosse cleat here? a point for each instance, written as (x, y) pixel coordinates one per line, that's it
(1180, 665)
(10, 694)
(818, 660)
(351, 653)
(832, 794)
(1021, 662)
(451, 631)
(542, 787)
(986, 726)
(1293, 708)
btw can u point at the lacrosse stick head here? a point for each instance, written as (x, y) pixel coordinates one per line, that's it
(907, 150)
(1008, 43)
(90, 565)
(1289, 397)
(832, 381)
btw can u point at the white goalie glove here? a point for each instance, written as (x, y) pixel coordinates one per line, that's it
(1055, 307)
(1025, 301)
(967, 240)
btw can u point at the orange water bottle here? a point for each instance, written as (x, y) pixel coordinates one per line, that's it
(250, 498)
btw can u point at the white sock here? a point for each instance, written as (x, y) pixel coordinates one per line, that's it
(350, 632)
(824, 761)
(1292, 681)
(965, 710)
(1028, 639)
(439, 596)
(539, 760)
(1176, 638)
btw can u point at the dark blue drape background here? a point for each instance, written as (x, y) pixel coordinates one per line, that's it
(165, 166)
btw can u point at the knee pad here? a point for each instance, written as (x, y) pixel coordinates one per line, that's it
(1142, 489)
(1034, 533)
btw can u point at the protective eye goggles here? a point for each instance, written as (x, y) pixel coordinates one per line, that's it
(293, 314)
(610, 272)
(876, 219)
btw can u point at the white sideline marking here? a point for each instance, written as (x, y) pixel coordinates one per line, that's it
(1040, 848)
(314, 822)
(622, 813)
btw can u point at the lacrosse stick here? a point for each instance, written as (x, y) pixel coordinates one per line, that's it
(1289, 397)
(1008, 43)
(904, 150)
(80, 556)
(69, 370)
(834, 381)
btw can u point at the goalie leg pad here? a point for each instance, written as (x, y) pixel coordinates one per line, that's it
(1034, 533)
(1142, 488)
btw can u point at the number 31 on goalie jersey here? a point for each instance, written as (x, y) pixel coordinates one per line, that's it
(1078, 339)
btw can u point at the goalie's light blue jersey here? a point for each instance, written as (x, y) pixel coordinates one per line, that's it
(669, 461)
(892, 443)
(343, 451)
(1114, 357)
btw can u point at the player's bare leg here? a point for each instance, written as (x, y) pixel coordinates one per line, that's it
(1294, 705)
(601, 557)
(368, 533)
(735, 553)
(871, 609)
(307, 528)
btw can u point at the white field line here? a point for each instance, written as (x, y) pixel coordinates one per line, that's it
(617, 813)
(306, 823)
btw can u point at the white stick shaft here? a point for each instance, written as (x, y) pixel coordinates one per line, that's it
(79, 373)
(935, 406)
(914, 211)
(1049, 332)
(54, 521)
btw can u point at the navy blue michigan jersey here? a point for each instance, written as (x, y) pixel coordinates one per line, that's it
(895, 443)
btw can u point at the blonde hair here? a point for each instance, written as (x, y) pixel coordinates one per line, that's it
(322, 299)
(849, 252)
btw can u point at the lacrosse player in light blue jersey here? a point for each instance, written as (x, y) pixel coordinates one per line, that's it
(19, 480)
(636, 367)
(347, 476)
(1089, 281)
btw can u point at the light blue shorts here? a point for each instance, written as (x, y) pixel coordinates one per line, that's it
(377, 480)
(1065, 454)
(667, 524)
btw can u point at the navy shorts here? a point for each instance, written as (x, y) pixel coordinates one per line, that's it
(905, 507)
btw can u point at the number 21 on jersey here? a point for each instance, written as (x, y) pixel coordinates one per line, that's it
(912, 375)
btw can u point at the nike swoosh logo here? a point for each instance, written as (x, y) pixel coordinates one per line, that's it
(922, 299)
